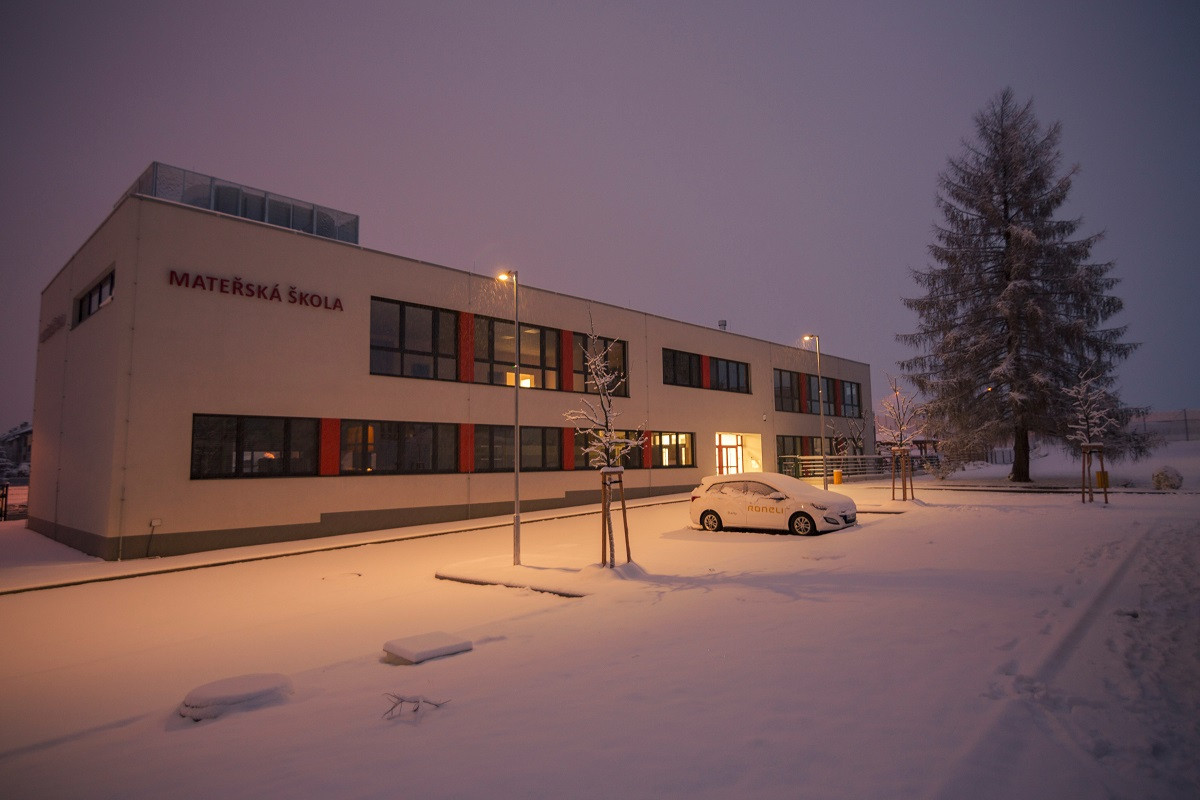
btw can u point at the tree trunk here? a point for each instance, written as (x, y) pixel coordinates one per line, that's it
(1020, 467)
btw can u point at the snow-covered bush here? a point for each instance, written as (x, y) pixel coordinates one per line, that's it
(1167, 478)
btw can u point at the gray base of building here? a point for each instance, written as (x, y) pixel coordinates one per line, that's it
(334, 523)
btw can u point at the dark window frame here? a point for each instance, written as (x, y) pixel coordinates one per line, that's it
(543, 367)
(727, 375)
(95, 298)
(618, 362)
(439, 359)
(814, 399)
(386, 447)
(298, 450)
(681, 368)
(788, 392)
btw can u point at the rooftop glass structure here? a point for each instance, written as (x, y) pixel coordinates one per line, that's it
(226, 197)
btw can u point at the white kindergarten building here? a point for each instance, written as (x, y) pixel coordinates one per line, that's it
(221, 366)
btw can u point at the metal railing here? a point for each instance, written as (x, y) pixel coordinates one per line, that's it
(850, 466)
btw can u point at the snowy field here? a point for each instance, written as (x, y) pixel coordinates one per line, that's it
(981, 644)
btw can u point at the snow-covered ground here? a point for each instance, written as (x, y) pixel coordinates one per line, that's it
(981, 644)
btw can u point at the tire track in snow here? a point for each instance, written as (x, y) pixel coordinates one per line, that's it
(991, 766)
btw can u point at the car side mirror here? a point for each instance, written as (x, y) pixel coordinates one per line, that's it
(777, 496)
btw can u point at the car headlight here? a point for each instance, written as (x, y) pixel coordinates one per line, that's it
(820, 507)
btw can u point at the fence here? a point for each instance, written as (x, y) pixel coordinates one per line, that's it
(1173, 426)
(850, 466)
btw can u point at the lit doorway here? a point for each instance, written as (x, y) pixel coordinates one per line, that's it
(738, 452)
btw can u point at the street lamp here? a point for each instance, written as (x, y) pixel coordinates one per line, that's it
(821, 405)
(511, 275)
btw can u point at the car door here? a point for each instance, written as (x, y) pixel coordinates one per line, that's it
(729, 500)
(763, 511)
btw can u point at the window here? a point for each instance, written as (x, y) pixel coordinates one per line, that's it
(681, 369)
(729, 376)
(814, 403)
(787, 445)
(413, 341)
(541, 448)
(493, 448)
(370, 447)
(851, 399)
(630, 457)
(225, 446)
(95, 298)
(672, 450)
(495, 354)
(787, 390)
(616, 350)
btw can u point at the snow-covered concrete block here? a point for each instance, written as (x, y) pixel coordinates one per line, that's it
(424, 646)
(239, 693)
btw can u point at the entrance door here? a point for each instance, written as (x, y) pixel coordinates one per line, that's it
(729, 453)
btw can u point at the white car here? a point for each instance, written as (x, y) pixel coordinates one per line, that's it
(769, 501)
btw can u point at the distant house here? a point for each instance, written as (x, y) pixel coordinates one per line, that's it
(15, 444)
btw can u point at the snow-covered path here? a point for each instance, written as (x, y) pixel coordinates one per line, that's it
(1023, 646)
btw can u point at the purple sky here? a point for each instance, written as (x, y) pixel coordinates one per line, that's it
(772, 164)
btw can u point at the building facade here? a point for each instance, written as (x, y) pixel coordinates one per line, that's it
(210, 375)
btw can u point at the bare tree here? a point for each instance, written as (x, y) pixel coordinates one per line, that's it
(607, 446)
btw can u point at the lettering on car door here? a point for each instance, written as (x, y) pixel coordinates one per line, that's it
(761, 510)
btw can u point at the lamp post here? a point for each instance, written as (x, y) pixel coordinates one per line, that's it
(821, 407)
(511, 275)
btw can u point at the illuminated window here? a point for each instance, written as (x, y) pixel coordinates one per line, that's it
(495, 354)
(672, 450)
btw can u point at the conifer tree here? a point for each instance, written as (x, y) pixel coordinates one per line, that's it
(1014, 308)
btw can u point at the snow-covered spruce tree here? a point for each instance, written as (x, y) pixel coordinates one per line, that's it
(1013, 307)
(606, 446)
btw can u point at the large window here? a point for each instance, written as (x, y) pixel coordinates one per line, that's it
(672, 450)
(493, 448)
(617, 362)
(225, 446)
(94, 298)
(787, 390)
(630, 457)
(788, 445)
(814, 404)
(495, 351)
(681, 369)
(370, 447)
(851, 399)
(729, 376)
(413, 341)
(541, 448)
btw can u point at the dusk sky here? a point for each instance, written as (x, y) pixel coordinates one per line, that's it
(773, 164)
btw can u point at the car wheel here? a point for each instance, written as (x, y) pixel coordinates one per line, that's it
(710, 521)
(802, 524)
